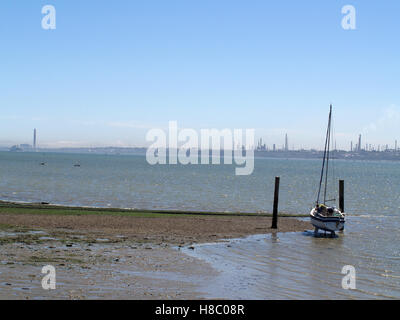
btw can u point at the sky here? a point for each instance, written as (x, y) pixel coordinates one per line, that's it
(113, 70)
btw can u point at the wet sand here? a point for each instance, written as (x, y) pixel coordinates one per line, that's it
(115, 257)
(101, 271)
(172, 230)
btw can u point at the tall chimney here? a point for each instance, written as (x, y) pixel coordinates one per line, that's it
(286, 143)
(34, 139)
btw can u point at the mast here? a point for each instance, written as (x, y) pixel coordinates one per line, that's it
(326, 157)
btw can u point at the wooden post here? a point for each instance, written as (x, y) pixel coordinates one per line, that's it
(341, 195)
(276, 200)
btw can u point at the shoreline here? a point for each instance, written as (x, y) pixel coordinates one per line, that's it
(114, 254)
(126, 211)
(145, 226)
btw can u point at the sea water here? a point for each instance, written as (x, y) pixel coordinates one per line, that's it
(286, 265)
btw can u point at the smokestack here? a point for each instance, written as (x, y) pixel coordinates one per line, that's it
(286, 143)
(34, 138)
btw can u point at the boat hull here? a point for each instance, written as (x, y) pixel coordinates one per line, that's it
(331, 224)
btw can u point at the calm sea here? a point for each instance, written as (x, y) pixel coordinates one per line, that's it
(292, 265)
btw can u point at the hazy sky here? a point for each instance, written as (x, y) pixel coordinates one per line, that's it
(112, 70)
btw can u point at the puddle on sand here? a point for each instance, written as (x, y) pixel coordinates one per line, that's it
(5, 234)
(47, 238)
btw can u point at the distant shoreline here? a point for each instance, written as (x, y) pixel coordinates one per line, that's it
(387, 155)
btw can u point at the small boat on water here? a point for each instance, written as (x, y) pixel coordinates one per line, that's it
(324, 217)
(327, 218)
(77, 165)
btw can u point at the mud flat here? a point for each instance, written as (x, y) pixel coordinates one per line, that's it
(115, 257)
(147, 226)
(96, 268)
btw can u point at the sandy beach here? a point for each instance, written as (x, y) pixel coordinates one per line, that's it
(181, 229)
(115, 257)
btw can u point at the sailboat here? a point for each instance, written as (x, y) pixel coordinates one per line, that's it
(324, 217)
